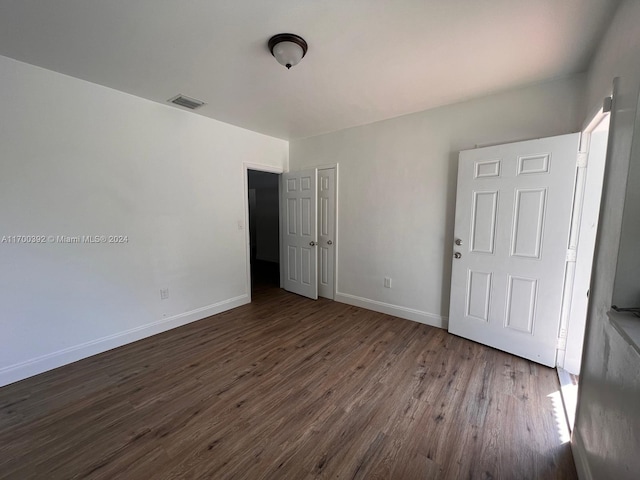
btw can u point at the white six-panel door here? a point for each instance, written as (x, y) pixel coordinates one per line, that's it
(513, 210)
(326, 231)
(299, 238)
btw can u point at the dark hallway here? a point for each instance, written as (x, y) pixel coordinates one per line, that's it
(264, 229)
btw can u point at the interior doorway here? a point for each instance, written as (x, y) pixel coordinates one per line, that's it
(309, 231)
(267, 213)
(264, 229)
(588, 192)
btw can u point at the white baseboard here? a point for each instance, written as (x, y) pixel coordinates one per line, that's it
(395, 310)
(34, 366)
(580, 456)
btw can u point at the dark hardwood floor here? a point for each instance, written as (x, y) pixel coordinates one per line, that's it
(288, 388)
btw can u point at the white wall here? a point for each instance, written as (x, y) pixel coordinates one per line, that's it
(80, 159)
(618, 57)
(605, 438)
(397, 190)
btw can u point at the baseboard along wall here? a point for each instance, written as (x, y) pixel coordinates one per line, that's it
(35, 366)
(395, 310)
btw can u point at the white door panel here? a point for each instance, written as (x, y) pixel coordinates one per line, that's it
(513, 213)
(299, 236)
(326, 231)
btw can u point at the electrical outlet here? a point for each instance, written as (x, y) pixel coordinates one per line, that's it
(164, 293)
(387, 282)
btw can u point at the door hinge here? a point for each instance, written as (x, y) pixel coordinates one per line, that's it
(582, 160)
(607, 103)
(572, 255)
(561, 343)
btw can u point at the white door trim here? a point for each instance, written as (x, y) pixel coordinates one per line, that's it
(246, 166)
(574, 234)
(337, 240)
(337, 230)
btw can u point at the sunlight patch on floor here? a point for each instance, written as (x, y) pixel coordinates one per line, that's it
(560, 417)
(570, 398)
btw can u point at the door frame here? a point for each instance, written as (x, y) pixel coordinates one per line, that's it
(567, 335)
(246, 166)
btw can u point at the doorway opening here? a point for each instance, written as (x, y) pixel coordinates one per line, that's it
(264, 229)
(588, 192)
(309, 231)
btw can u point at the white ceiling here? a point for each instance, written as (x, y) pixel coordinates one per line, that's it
(368, 59)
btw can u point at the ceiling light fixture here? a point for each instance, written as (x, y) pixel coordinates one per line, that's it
(287, 48)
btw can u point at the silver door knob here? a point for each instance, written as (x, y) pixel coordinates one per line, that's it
(457, 255)
(329, 242)
(458, 241)
(312, 243)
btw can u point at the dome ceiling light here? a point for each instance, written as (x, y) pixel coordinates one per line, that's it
(287, 48)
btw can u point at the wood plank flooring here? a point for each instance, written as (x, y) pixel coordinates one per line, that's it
(288, 388)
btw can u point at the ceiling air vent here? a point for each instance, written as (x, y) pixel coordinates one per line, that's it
(186, 102)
